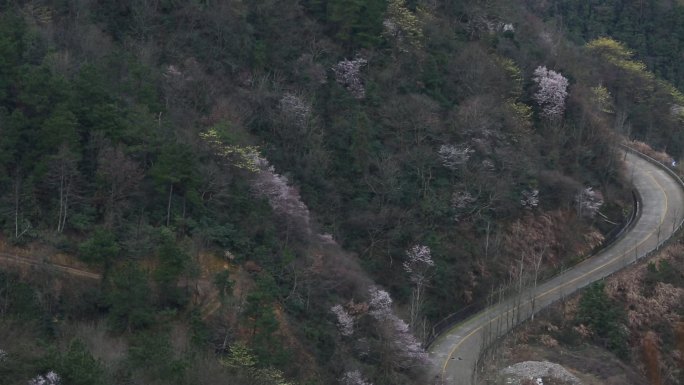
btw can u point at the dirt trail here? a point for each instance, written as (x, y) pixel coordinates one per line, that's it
(27, 261)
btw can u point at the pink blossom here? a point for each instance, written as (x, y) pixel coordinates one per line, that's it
(418, 262)
(348, 75)
(407, 348)
(51, 378)
(353, 378)
(588, 202)
(283, 198)
(454, 156)
(295, 109)
(345, 322)
(530, 198)
(552, 92)
(380, 303)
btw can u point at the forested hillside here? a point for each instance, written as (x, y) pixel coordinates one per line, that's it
(654, 28)
(294, 191)
(655, 31)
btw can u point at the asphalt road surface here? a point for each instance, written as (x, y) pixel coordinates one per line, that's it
(456, 351)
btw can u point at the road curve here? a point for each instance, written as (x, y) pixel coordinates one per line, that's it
(457, 350)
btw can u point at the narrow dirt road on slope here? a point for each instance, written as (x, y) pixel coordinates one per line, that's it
(18, 260)
(456, 352)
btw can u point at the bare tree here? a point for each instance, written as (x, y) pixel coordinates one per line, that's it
(62, 175)
(121, 176)
(418, 264)
(21, 224)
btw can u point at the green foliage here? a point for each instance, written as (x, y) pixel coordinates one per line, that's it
(128, 298)
(185, 89)
(355, 23)
(152, 351)
(77, 366)
(173, 263)
(242, 362)
(604, 317)
(19, 299)
(223, 283)
(653, 29)
(407, 24)
(603, 99)
(243, 157)
(101, 248)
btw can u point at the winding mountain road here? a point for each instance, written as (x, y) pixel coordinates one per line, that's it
(456, 351)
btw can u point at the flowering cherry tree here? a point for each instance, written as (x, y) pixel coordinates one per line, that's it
(460, 200)
(380, 303)
(295, 109)
(51, 378)
(454, 156)
(354, 377)
(553, 89)
(588, 202)
(402, 343)
(283, 198)
(345, 322)
(418, 264)
(348, 75)
(530, 199)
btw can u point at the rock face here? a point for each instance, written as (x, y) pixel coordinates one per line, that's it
(537, 371)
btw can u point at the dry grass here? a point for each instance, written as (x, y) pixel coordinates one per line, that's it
(109, 349)
(644, 148)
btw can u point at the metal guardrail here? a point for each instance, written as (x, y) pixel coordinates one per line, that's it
(681, 184)
(463, 314)
(660, 245)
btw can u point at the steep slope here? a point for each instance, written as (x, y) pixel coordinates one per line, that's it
(662, 197)
(347, 164)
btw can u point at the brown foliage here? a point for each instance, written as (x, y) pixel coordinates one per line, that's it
(252, 267)
(356, 309)
(660, 156)
(679, 331)
(546, 234)
(651, 357)
(642, 310)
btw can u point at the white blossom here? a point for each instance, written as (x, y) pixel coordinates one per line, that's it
(454, 156)
(406, 344)
(552, 92)
(3, 355)
(508, 27)
(380, 303)
(51, 378)
(530, 198)
(461, 199)
(295, 109)
(488, 165)
(391, 28)
(283, 198)
(588, 202)
(418, 262)
(348, 75)
(409, 351)
(345, 322)
(407, 347)
(353, 378)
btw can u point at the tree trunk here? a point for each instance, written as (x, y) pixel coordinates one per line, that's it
(168, 207)
(17, 189)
